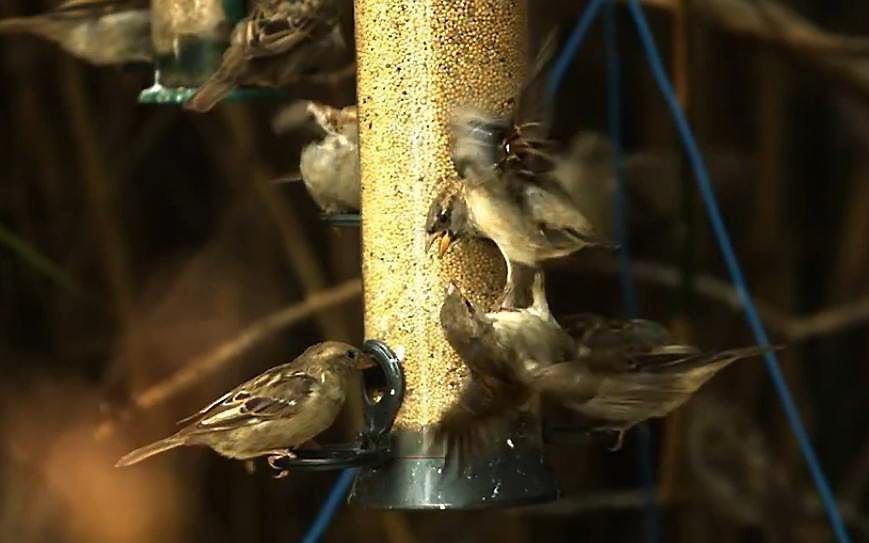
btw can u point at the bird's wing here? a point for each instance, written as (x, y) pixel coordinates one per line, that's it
(559, 221)
(273, 32)
(625, 397)
(469, 425)
(276, 394)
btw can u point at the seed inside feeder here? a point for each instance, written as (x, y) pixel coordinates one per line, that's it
(418, 62)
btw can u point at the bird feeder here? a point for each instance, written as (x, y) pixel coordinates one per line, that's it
(417, 62)
(189, 38)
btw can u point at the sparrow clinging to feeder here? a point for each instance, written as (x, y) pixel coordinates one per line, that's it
(625, 372)
(102, 32)
(273, 413)
(447, 221)
(530, 217)
(280, 41)
(329, 166)
(500, 349)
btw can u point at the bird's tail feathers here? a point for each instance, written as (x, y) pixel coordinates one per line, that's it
(150, 450)
(25, 25)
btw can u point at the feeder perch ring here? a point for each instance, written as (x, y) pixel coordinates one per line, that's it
(374, 445)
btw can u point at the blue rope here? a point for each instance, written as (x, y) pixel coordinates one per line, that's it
(706, 191)
(568, 53)
(330, 506)
(614, 77)
(629, 296)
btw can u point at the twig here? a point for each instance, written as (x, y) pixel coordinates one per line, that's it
(99, 185)
(203, 366)
(38, 262)
(843, 58)
(248, 165)
(793, 328)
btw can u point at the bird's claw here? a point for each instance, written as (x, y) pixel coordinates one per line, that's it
(620, 438)
(273, 459)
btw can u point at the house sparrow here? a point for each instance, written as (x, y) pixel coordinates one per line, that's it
(273, 413)
(447, 221)
(500, 349)
(625, 372)
(276, 44)
(528, 215)
(614, 373)
(102, 32)
(330, 167)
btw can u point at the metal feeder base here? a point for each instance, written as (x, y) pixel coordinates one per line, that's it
(515, 475)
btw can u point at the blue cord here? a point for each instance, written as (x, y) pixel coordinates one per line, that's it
(706, 191)
(613, 72)
(629, 297)
(568, 53)
(330, 506)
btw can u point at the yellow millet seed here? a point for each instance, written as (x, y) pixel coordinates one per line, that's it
(419, 60)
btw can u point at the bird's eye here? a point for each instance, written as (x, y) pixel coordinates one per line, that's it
(443, 216)
(351, 354)
(468, 304)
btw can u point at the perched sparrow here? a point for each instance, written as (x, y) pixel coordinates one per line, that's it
(500, 349)
(626, 372)
(276, 44)
(273, 413)
(330, 167)
(102, 32)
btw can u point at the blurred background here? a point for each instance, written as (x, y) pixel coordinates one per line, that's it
(147, 264)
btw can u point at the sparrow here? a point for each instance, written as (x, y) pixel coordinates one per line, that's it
(329, 166)
(528, 215)
(626, 372)
(102, 32)
(500, 349)
(447, 221)
(273, 413)
(277, 43)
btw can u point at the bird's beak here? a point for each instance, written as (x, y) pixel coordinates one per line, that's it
(444, 241)
(365, 361)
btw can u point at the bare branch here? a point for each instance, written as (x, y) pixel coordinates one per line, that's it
(842, 58)
(205, 365)
(794, 328)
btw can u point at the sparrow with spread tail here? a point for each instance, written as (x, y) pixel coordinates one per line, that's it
(102, 32)
(626, 372)
(273, 413)
(500, 349)
(279, 42)
(614, 373)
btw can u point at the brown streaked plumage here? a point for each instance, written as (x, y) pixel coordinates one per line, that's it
(626, 372)
(279, 42)
(273, 413)
(499, 348)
